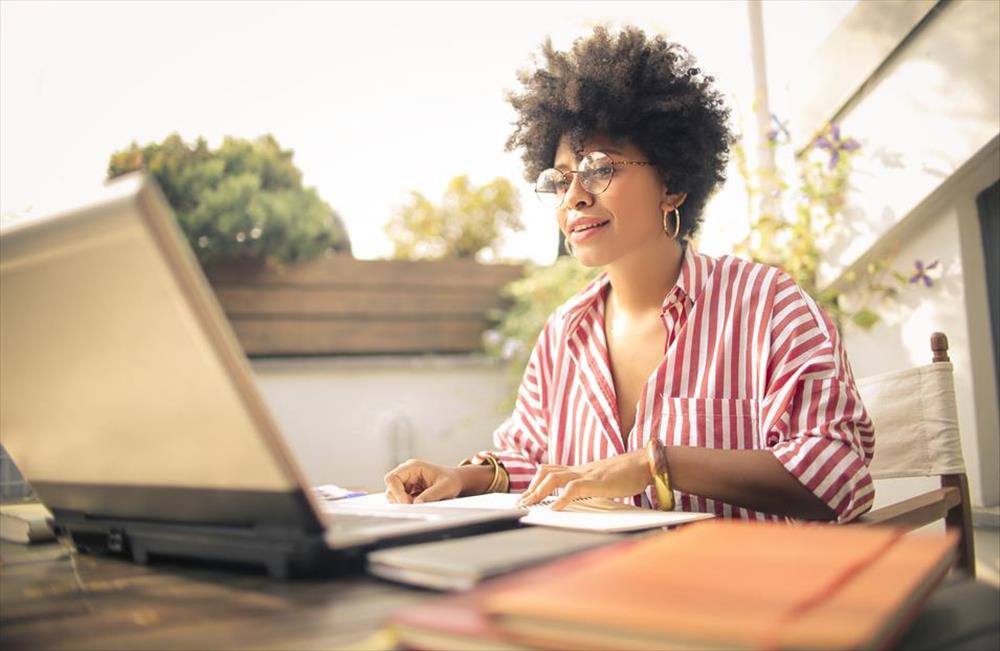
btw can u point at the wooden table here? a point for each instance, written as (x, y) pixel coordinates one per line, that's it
(51, 598)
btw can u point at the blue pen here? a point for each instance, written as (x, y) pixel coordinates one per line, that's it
(331, 492)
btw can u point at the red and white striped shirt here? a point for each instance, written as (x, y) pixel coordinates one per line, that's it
(750, 362)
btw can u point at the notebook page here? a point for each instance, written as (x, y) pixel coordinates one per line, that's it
(378, 502)
(589, 514)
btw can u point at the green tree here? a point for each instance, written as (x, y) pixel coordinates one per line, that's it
(242, 200)
(469, 220)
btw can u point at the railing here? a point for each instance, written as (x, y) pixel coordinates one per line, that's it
(340, 305)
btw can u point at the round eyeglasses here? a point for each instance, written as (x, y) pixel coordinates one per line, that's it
(596, 171)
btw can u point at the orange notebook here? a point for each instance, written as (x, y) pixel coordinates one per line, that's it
(730, 584)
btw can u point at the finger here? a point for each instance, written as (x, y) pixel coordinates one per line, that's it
(576, 489)
(553, 481)
(540, 475)
(389, 496)
(439, 490)
(395, 485)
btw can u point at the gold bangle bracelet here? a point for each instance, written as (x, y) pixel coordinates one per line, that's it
(657, 458)
(500, 477)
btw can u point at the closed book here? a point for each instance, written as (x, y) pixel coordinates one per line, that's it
(462, 563)
(25, 522)
(734, 585)
(460, 622)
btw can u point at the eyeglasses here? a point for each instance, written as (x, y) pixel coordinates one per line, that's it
(596, 171)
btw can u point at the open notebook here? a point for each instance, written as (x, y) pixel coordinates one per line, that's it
(590, 514)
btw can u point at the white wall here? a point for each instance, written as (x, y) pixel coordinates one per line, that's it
(350, 420)
(928, 122)
(921, 118)
(956, 305)
(865, 36)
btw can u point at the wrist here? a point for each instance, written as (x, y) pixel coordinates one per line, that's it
(642, 459)
(474, 479)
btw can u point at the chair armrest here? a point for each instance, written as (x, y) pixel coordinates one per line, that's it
(914, 512)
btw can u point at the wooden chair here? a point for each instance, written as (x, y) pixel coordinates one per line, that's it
(916, 435)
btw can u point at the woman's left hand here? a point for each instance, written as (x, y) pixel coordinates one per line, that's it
(620, 476)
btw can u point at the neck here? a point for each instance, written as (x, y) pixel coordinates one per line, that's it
(641, 280)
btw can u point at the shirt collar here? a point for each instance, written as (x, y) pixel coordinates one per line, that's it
(695, 270)
(585, 300)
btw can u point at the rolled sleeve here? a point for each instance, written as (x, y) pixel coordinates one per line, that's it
(814, 421)
(521, 442)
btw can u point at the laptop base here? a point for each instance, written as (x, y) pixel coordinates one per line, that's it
(283, 552)
(280, 551)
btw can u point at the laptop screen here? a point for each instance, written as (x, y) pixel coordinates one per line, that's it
(125, 392)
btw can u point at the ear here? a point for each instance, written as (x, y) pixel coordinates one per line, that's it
(671, 201)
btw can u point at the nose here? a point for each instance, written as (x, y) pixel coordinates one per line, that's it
(576, 196)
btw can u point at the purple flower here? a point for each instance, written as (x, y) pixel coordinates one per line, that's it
(780, 129)
(922, 273)
(836, 145)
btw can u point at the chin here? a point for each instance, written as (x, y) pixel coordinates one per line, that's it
(592, 259)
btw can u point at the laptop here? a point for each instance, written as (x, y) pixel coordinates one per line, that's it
(131, 409)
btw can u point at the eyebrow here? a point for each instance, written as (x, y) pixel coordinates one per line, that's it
(604, 150)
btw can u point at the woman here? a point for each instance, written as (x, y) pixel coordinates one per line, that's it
(673, 373)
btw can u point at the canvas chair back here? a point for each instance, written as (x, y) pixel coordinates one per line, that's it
(917, 435)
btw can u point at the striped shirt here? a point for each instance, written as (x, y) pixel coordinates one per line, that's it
(750, 362)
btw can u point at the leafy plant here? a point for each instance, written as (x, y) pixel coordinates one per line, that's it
(242, 200)
(789, 224)
(468, 222)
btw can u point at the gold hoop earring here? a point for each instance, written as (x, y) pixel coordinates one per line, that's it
(677, 223)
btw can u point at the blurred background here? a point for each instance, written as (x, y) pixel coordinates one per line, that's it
(375, 99)
(355, 153)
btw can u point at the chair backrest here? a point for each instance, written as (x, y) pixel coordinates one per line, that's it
(916, 435)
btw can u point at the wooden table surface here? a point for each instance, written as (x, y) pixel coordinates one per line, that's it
(51, 598)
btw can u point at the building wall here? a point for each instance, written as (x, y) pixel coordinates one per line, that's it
(942, 230)
(927, 119)
(351, 420)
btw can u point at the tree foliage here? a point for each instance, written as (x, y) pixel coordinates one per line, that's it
(469, 221)
(242, 200)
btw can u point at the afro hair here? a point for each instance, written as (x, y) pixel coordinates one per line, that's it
(647, 92)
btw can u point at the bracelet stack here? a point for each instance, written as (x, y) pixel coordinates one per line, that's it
(500, 482)
(657, 453)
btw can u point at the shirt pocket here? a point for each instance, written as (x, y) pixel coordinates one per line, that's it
(721, 423)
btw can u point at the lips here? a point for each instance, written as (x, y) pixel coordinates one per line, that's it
(584, 229)
(587, 227)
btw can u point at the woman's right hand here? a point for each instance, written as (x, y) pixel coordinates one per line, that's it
(414, 482)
